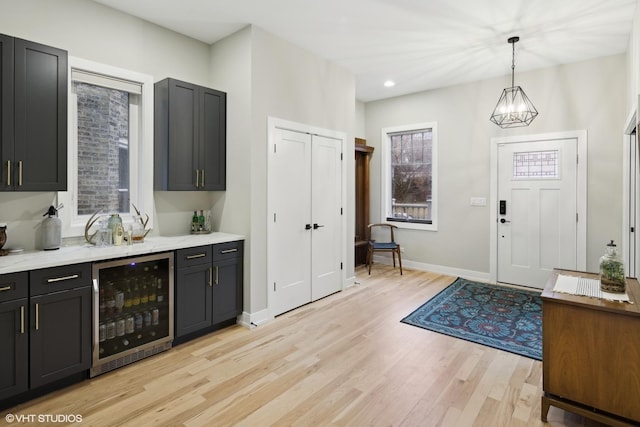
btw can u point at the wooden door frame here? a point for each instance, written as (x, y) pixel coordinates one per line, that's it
(276, 123)
(581, 193)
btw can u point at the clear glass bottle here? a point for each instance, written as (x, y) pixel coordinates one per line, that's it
(612, 278)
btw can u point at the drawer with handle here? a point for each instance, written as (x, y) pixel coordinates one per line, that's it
(14, 286)
(228, 250)
(193, 256)
(55, 279)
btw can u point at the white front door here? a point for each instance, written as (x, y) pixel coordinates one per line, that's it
(306, 236)
(537, 210)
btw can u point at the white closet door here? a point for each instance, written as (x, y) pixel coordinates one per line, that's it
(306, 236)
(290, 198)
(326, 185)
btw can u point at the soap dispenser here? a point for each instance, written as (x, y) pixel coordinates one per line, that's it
(51, 230)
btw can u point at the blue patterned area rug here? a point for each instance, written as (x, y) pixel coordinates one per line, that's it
(496, 316)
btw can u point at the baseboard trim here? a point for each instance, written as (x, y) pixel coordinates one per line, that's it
(251, 320)
(479, 276)
(349, 282)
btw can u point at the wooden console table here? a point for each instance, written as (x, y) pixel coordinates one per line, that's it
(591, 354)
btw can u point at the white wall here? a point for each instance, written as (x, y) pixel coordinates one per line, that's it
(588, 95)
(633, 63)
(360, 107)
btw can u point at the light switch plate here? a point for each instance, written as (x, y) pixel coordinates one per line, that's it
(478, 201)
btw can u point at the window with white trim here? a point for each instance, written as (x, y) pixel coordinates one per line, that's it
(409, 190)
(110, 147)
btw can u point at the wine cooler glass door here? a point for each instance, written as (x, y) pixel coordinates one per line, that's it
(133, 308)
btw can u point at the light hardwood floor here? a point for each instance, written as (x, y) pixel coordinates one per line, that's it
(345, 360)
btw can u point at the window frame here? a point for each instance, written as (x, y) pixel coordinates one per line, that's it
(386, 190)
(140, 147)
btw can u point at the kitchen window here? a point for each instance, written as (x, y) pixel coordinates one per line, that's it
(110, 145)
(410, 176)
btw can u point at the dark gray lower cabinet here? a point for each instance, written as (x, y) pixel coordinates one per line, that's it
(14, 342)
(45, 327)
(59, 323)
(228, 281)
(193, 290)
(208, 287)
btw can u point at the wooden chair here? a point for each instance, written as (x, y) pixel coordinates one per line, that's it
(389, 246)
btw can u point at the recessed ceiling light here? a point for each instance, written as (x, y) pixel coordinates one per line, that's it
(389, 83)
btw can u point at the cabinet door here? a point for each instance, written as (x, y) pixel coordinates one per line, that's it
(6, 110)
(193, 298)
(213, 132)
(183, 135)
(13, 350)
(227, 290)
(228, 280)
(40, 161)
(189, 137)
(60, 334)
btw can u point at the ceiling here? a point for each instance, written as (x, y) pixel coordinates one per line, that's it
(419, 44)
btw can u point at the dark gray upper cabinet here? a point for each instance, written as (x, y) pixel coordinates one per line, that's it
(34, 116)
(190, 137)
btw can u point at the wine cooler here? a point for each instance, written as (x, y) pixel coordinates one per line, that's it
(132, 310)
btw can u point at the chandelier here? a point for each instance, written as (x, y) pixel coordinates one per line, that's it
(514, 109)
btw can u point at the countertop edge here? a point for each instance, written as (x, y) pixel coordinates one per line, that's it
(37, 259)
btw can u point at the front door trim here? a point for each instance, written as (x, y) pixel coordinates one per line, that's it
(581, 136)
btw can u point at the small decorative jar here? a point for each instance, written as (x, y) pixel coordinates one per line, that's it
(137, 230)
(612, 270)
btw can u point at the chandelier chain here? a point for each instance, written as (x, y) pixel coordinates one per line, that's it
(513, 62)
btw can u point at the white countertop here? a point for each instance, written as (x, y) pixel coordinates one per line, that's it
(32, 260)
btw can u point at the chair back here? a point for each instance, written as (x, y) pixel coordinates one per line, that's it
(383, 226)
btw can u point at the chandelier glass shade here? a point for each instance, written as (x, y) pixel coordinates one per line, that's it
(514, 108)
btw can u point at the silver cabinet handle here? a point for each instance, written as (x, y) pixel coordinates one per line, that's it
(229, 251)
(5, 288)
(195, 256)
(210, 278)
(217, 277)
(37, 316)
(202, 178)
(8, 172)
(197, 177)
(60, 279)
(22, 319)
(20, 173)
